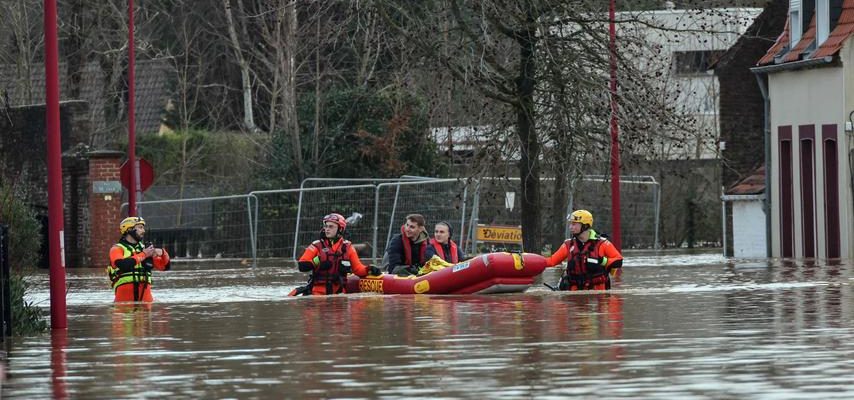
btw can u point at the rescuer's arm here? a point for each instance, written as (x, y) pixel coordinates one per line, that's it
(161, 260)
(309, 259)
(125, 264)
(558, 256)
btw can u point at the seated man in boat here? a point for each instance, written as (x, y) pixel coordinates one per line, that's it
(591, 258)
(131, 262)
(325, 258)
(443, 246)
(407, 251)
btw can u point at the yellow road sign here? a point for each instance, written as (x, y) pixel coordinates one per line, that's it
(499, 234)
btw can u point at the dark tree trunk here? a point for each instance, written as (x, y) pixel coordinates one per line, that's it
(529, 163)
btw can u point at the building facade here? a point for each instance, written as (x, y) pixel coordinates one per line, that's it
(810, 92)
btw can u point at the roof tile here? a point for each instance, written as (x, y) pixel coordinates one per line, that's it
(843, 30)
(806, 40)
(752, 184)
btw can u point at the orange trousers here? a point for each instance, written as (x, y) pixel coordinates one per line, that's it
(126, 293)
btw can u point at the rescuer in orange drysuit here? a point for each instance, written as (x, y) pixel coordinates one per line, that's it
(591, 258)
(330, 259)
(131, 262)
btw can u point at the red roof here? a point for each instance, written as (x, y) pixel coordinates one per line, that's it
(753, 184)
(843, 30)
(806, 40)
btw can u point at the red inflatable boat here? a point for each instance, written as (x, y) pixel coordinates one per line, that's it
(489, 273)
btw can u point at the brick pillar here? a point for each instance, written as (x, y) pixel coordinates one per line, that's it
(105, 201)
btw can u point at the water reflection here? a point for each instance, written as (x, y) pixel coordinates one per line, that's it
(700, 327)
(58, 343)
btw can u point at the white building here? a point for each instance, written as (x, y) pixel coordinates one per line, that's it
(809, 76)
(681, 47)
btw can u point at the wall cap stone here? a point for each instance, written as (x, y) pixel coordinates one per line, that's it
(105, 154)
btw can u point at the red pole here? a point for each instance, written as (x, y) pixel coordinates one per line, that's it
(56, 224)
(615, 131)
(134, 175)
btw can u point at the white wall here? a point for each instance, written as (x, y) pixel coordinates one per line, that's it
(806, 97)
(748, 229)
(668, 31)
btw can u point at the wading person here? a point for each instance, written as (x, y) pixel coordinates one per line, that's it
(590, 257)
(443, 245)
(131, 262)
(407, 251)
(329, 260)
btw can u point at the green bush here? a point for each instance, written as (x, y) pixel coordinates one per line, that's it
(24, 245)
(27, 318)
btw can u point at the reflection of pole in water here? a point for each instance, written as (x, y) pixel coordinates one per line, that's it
(58, 342)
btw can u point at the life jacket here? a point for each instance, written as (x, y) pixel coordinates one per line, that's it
(440, 250)
(407, 250)
(584, 268)
(140, 274)
(334, 277)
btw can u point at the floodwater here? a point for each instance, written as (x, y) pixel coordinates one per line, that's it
(675, 326)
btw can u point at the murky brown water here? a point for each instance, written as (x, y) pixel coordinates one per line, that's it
(675, 326)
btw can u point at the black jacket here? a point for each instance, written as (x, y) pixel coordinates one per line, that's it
(394, 253)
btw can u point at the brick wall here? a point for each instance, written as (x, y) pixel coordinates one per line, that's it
(75, 170)
(104, 207)
(742, 112)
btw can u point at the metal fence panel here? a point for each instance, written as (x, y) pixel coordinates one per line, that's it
(205, 227)
(639, 207)
(437, 200)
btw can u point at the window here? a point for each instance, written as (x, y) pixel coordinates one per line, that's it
(694, 62)
(828, 12)
(795, 23)
(822, 19)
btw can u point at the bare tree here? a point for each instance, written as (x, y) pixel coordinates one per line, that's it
(248, 116)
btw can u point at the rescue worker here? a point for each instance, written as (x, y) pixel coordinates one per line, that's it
(591, 258)
(327, 258)
(407, 251)
(131, 262)
(443, 246)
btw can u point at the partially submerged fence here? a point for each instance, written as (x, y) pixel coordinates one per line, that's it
(204, 227)
(275, 224)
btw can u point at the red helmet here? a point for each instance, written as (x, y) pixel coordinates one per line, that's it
(338, 219)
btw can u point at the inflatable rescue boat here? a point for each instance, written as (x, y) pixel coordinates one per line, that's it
(488, 273)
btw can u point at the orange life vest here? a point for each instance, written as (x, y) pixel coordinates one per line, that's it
(440, 250)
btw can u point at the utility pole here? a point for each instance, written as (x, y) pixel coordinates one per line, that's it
(615, 132)
(55, 214)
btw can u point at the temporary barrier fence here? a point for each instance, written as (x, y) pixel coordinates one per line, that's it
(640, 206)
(497, 202)
(436, 199)
(205, 227)
(275, 224)
(281, 216)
